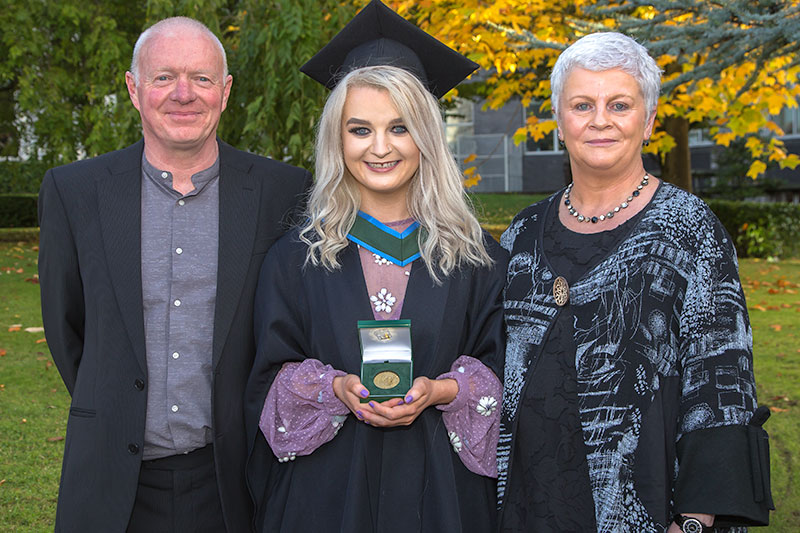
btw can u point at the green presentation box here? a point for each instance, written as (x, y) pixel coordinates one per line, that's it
(387, 367)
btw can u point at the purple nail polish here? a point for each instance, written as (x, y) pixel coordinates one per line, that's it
(409, 399)
(372, 404)
(359, 414)
(364, 393)
(401, 402)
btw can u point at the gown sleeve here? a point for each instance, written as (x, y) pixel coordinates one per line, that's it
(472, 419)
(301, 412)
(723, 455)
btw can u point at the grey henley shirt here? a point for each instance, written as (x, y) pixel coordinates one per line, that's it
(180, 235)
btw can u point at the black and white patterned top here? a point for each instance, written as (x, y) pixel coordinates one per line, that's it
(662, 347)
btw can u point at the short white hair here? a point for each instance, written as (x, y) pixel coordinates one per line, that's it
(605, 51)
(169, 25)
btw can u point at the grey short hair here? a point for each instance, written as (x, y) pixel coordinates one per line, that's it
(605, 51)
(166, 26)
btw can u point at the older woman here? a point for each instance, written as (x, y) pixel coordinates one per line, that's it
(389, 235)
(629, 394)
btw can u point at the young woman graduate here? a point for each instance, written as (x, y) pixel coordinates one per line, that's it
(389, 235)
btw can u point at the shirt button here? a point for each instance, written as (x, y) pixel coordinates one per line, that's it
(181, 202)
(133, 449)
(174, 408)
(179, 251)
(165, 175)
(138, 384)
(175, 355)
(177, 303)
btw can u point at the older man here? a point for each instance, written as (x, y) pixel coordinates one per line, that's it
(149, 258)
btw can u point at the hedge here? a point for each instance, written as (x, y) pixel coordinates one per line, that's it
(761, 229)
(18, 210)
(21, 176)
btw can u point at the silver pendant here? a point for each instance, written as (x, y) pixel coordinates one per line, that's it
(561, 291)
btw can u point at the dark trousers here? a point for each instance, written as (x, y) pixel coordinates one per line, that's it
(178, 494)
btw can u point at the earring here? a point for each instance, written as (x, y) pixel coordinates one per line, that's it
(646, 142)
(561, 144)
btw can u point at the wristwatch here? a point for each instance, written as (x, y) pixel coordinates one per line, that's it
(689, 524)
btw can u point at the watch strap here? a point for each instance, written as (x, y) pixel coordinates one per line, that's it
(690, 524)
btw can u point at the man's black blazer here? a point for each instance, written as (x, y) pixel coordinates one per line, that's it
(90, 275)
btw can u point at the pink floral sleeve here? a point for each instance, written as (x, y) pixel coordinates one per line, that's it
(473, 418)
(301, 412)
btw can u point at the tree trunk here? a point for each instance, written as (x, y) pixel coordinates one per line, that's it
(677, 166)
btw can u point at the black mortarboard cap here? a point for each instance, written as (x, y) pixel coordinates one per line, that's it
(379, 36)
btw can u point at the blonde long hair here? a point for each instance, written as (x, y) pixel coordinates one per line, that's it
(436, 198)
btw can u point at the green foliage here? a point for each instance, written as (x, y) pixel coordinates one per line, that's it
(66, 60)
(761, 229)
(274, 108)
(18, 211)
(21, 176)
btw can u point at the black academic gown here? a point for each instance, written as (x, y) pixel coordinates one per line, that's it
(370, 479)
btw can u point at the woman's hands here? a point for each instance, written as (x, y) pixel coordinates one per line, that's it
(424, 392)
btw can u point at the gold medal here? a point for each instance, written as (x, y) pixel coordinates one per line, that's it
(382, 334)
(561, 291)
(386, 380)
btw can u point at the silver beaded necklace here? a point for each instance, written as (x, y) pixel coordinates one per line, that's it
(610, 214)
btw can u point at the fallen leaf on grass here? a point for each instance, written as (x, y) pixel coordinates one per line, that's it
(780, 355)
(761, 308)
(2, 481)
(786, 306)
(40, 341)
(54, 439)
(48, 364)
(773, 291)
(776, 327)
(15, 327)
(24, 420)
(772, 308)
(38, 329)
(775, 409)
(2, 353)
(32, 280)
(791, 291)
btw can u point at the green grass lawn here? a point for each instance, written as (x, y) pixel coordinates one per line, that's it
(35, 403)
